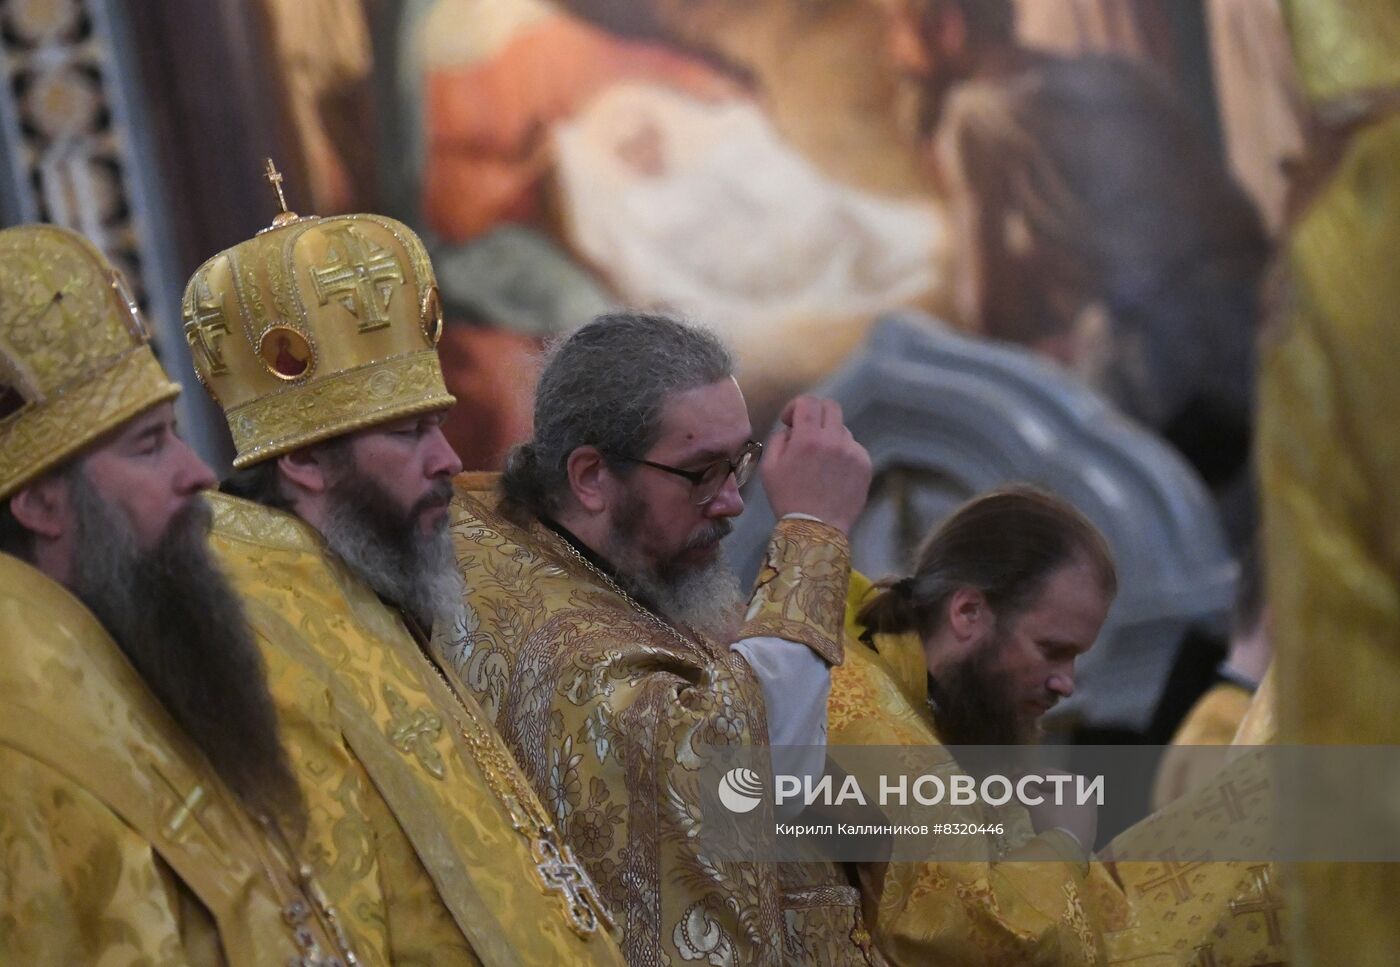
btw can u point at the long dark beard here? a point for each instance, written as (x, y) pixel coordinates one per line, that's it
(176, 618)
(386, 549)
(706, 598)
(973, 704)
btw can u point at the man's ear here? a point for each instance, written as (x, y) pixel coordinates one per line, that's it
(305, 470)
(45, 507)
(588, 478)
(969, 617)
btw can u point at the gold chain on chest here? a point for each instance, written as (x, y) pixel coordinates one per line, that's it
(299, 898)
(646, 614)
(308, 901)
(555, 864)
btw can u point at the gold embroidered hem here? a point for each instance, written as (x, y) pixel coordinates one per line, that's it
(610, 711)
(800, 593)
(415, 824)
(1188, 912)
(1182, 911)
(1034, 907)
(117, 841)
(343, 402)
(43, 437)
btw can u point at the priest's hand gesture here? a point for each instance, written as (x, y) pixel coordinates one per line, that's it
(812, 465)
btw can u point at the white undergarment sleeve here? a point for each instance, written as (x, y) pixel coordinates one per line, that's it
(796, 682)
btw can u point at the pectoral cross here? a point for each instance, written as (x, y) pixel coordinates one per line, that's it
(560, 872)
(1263, 901)
(1232, 801)
(359, 275)
(187, 806)
(203, 331)
(415, 732)
(1173, 874)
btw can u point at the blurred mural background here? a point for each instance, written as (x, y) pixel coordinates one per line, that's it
(1094, 185)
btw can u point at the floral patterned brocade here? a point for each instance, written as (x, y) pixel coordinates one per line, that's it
(610, 712)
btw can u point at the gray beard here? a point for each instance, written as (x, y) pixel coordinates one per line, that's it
(386, 550)
(179, 622)
(707, 599)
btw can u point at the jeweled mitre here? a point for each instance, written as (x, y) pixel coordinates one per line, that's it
(75, 354)
(314, 328)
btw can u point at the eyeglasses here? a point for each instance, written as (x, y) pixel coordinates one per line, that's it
(706, 482)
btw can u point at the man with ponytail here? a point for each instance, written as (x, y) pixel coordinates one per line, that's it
(973, 648)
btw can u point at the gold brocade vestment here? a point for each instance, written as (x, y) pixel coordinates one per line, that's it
(118, 844)
(609, 711)
(1212, 721)
(1036, 907)
(1186, 912)
(1329, 462)
(410, 828)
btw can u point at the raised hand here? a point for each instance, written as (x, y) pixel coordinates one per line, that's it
(812, 464)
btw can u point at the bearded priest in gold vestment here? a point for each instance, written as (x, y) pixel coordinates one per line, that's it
(318, 339)
(147, 812)
(972, 649)
(615, 651)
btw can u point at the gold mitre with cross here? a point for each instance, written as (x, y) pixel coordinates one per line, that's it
(314, 328)
(75, 354)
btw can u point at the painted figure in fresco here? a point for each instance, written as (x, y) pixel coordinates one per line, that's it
(1094, 223)
(653, 159)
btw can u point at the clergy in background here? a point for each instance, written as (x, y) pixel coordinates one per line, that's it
(972, 649)
(1216, 717)
(147, 812)
(317, 338)
(616, 652)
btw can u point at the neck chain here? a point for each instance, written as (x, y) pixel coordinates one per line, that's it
(647, 615)
(555, 864)
(308, 901)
